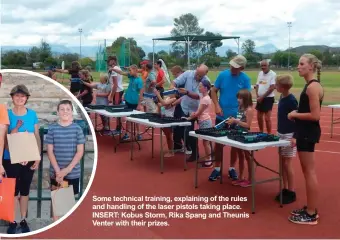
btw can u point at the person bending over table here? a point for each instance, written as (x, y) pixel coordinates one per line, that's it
(229, 83)
(190, 102)
(134, 94)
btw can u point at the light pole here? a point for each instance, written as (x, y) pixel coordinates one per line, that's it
(80, 31)
(289, 26)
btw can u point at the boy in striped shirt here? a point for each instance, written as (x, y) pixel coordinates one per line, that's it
(286, 129)
(65, 148)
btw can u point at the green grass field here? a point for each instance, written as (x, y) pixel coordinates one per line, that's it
(329, 79)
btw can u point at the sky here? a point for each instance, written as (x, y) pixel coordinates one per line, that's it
(26, 22)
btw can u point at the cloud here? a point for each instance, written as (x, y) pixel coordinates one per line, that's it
(264, 21)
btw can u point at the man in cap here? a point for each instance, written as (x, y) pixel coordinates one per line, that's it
(228, 83)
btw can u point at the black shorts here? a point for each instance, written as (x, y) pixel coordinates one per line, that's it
(22, 174)
(303, 145)
(131, 106)
(75, 87)
(73, 182)
(266, 105)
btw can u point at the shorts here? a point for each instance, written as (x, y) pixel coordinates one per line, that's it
(303, 145)
(150, 105)
(73, 182)
(75, 87)
(118, 98)
(131, 106)
(205, 124)
(266, 105)
(287, 151)
(22, 174)
(102, 101)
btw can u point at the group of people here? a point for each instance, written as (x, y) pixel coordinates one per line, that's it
(297, 122)
(65, 147)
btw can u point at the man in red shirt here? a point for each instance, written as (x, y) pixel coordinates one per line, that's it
(160, 79)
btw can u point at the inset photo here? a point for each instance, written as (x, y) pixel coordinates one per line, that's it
(48, 155)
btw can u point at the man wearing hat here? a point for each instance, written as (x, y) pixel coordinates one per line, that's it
(228, 83)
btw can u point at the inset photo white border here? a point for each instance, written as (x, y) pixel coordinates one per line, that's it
(95, 160)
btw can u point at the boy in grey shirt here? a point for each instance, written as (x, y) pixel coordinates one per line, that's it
(65, 148)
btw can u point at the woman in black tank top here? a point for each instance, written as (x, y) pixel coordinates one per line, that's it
(308, 132)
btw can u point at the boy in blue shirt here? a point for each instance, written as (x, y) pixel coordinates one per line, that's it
(133, 95)
(229, 83)
(286, 129)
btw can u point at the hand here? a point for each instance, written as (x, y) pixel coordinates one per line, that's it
(139, 107)
(259, 99)
(62, 174)
(155, 91)
(23, 163)
(35, 165)
(293, 142)
(2, 172)
(193, 115)
(292, 115)
(232, 121)
(182, 91)
(218, 111)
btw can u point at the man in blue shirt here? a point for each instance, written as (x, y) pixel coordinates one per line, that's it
(228, 83)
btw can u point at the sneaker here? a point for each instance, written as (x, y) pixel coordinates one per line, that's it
(12, 228)
(245, 183)
(188, 152)
(304, 218)
(233, 174)
(214, 175)
(237, 182)
(24, 226)
(207, 164)
(300, 211)
(125, 137)
(287, 197)
(139, 137)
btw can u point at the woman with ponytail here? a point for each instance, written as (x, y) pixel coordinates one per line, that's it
(308, 132)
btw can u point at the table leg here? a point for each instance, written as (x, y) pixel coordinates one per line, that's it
(132, 140)
(280, 175)
(162, 157)
(252, 181)
(152, 146)
(221, 168)
(185, 156)
(332, 123)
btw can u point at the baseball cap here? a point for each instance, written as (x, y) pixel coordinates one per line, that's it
(238, 61)
(144, 62)
(20, 89)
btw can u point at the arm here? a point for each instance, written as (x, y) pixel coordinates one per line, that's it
(193, 95)
(269, 91)
(3, 131)
(61, 71)
(200, 110)
(249, 116)
(52, 158)
(313, 93)
(119, 71)
(76, 159)
(90, 85)
(162, 101)
(257, 86)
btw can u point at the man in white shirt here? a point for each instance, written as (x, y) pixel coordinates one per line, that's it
(265, 87)
(117, 91)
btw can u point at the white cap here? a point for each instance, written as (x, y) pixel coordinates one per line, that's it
(238, 61)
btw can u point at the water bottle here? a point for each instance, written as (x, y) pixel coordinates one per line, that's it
(162, 111)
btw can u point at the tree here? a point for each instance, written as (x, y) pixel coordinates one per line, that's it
(186, 24)
(316, 53)
(248, 47)
(14, 58)
(230, 54)
(33, 55)
(45, 51)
